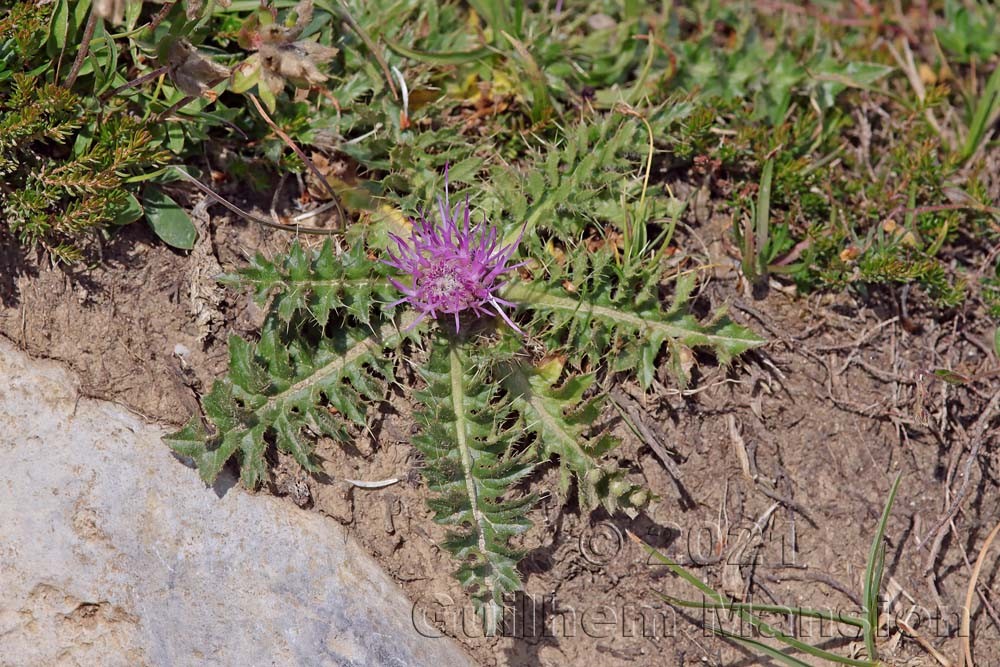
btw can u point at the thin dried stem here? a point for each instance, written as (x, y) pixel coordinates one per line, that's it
(298, 229)
(81, 53)
(302, 156)
(966, 632)
(978, 437)
(135, 82)
(160, 15)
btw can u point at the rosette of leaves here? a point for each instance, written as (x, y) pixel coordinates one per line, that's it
(490, 412)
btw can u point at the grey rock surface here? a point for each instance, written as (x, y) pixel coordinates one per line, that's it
(114, 553)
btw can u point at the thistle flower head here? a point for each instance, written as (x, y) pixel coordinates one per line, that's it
(453, 266)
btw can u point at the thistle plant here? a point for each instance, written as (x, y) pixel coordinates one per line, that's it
(453, 299)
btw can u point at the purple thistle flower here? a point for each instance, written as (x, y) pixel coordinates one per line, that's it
(453, 267)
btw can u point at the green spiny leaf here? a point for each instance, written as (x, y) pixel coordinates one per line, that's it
(317, 283)
(282, 390)
(618, 318)
(559, 417)
(471, 468)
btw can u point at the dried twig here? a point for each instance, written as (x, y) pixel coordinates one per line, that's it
(302, 156)
(740, 446)
(965, 632)
(138, 81)
(298, 229)
(169, 111)
(800, 574)
(159, 16)
(787, 502)
(924, 644)
(372, 48)
(907, 64)
(977, 437)
(83, 50)
(860, 340)
(647, 434)
(750, 472)
(379, 484)
(626, 404)
(764, 321)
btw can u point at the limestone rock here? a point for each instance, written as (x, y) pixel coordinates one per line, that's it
(112, 552)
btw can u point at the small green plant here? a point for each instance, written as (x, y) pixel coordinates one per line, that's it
(985, 112)
(65, 172)
(969, 30)
(754, 235)
(867, 623)
(95, 99)
(335, 335)
(570, 128)
(57, 202)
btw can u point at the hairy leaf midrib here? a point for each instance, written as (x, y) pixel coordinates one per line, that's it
(331, 282)
(387, 334)
(537, 297)
(458, 405)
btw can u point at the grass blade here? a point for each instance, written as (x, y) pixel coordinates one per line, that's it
(769, 608)
(763, 221)
(759, 624)
(768, 650)
(873, 575)
(986, 111)
(441, 57)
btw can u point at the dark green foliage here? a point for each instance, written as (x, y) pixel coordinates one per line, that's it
(319, 364)
(614, 317)
(471, 465)
(890, 264)
(55, 201)
(560, 418)
(34, 111)
(287, 389)
(304, 283)
(579, 132)
(63, 160)
(22, 35)
(771, 71)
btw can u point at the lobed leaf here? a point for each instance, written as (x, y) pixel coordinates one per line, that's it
(471, 468)
(559, 417)
(284, 390)
(317, 283)
(613, 317)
